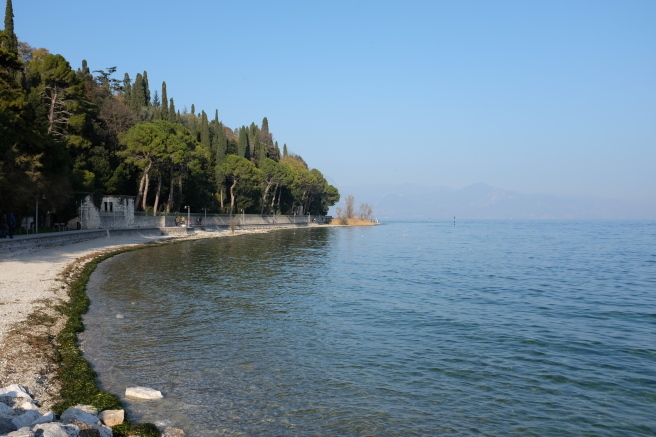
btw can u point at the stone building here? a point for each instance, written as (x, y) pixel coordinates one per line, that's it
(114, 212)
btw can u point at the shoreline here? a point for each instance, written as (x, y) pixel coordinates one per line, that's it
(35, 296)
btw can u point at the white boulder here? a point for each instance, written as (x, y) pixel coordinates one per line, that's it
(56, 429)
(28, 405)
(143, 393)
(23, 432)
(112, 417)
(84, 421)
(76, 414)
(31, 417)
(15, 391)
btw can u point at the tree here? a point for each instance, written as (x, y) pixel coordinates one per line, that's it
(56, 80)
(366, 211)
(146, 88)
(240, 172)
(205, 131)
(138, 94)
(165, 103)
(20, 161)
(273, 175)
(219, 143)
(11, 42)
(244, 148)
(144, 148)
(172, 115)
(127, 89)
(349, 204)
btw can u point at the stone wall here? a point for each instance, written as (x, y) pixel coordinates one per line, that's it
(118, 212)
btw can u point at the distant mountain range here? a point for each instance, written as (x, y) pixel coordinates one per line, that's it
(481, 201)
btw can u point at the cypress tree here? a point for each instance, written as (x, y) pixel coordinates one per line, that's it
(12, 42)
(216, 115)
(138, 96)
(84, 73)
(172, 115)
(146, 89)
(243, 146)
(220, 143)
(192, 124)
(165, 103)
(276, 152)
(204, 131)
(284, 150)
(127, 89)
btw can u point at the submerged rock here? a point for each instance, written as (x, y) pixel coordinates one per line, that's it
(143, 393)
(172, 432)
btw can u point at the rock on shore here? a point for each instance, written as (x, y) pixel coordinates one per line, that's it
(20, 416)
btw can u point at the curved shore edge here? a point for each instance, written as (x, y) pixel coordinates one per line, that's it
(42, 300)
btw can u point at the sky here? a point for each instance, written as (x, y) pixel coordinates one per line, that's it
(553, 97)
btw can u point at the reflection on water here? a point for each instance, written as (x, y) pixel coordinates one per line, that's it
(495, 328)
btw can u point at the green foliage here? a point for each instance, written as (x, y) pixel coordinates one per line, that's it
(242, 178)
(64, 133)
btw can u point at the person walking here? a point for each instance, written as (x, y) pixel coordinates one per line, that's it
(11, 224)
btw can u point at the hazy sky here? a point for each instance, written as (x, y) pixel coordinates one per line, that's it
(555, 97)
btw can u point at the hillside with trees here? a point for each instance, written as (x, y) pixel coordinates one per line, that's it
(67, 133)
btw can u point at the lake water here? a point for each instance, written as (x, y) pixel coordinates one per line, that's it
(520, 328)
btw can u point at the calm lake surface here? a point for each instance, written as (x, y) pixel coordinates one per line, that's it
(544, 328)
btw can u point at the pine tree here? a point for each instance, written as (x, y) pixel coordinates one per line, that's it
(165, 103)
(11, 42)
